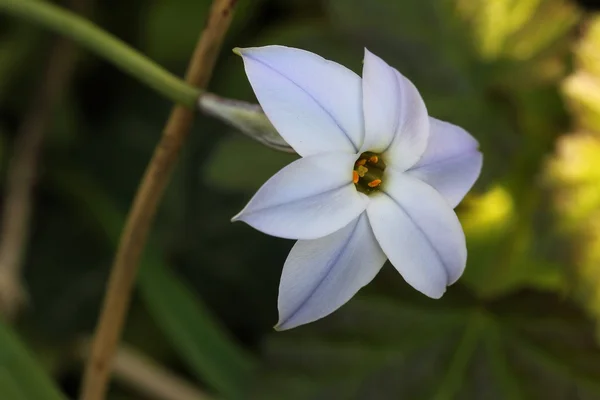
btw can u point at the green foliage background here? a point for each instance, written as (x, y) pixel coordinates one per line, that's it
(523, 76)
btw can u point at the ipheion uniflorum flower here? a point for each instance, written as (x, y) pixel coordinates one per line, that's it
(378, 179)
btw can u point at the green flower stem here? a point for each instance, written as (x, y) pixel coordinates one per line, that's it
(105, 45)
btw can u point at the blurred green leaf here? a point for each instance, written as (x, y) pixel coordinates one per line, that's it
(573, 172)
(528, 345)
(193, 332)
(581, 88)
(516, 29)
(544, 26)
(172, 27)
(15, 47)
(239, 163)
(491, 67)
(21, 377)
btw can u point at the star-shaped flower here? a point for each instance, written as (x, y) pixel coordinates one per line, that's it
(378, 179)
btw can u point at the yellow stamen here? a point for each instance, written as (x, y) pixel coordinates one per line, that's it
(368, 173)
(362, 170)
(374, 183)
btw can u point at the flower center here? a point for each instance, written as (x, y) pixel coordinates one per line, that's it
(368, 172)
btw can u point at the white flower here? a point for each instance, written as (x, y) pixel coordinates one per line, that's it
(378, 179)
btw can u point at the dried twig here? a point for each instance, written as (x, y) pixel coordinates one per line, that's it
(136, 370)
(22, 174)
(141, 215)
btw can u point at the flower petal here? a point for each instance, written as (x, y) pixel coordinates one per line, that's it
(315, 104)
(396, 121)
(321, 275)
(451, 163)
(310, 198)
(419, 233)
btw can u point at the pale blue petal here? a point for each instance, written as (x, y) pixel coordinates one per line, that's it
(308, 199)
(451, 163)
(396, 120)
(319, 276)
(315, 104)
(419, 232)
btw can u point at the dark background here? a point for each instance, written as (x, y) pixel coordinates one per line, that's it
(519, 75)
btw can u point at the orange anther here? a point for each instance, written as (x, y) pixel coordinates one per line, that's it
(354, 176)
(374, 159)
(374, 183)
(362, 161)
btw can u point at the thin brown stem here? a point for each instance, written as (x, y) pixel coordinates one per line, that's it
(143, 210)
(144, 375)
(22, 173)
(151, 379)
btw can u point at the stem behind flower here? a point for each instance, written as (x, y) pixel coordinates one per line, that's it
(105, 45)
(143, 210)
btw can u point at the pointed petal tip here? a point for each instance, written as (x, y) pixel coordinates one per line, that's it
(237, 217)
(432, 293)
(453, 279)
(284, 325)
(395, 115)
(367, 53)
(438, 295)
(245, 51)
(278, 327)
(314, 103)
(420, 234)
